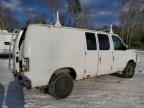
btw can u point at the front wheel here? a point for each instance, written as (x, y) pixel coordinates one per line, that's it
(60, 86)
(129, 70)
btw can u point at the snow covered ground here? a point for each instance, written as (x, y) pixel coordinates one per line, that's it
(107, 91)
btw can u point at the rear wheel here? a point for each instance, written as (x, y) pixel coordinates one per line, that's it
(60, 85)
(129, 70)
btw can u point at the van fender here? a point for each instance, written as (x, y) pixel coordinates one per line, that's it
(65, 70)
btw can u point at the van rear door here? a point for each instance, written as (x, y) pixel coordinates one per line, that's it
(15, 47)
(91, 55)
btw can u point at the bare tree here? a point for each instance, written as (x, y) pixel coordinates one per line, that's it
(129, 15)
(74, 8)
(6, 19)
(83, 20)
(34, 17)
(54, 6)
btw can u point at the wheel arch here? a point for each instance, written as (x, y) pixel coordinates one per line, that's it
(69, 70)
(132, 61)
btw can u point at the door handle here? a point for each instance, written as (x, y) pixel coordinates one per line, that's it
(100, 59)
(113, 58)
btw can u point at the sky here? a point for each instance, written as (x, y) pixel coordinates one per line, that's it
(103, 12)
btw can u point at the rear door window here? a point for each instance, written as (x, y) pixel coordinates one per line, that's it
(104, 43)
(91, 41)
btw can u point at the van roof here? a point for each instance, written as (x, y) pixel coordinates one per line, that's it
(85, 30)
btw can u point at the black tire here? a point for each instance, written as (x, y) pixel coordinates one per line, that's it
(129, 70)
(60, 85)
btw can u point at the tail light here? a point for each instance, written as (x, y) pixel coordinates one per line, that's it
(25, 64)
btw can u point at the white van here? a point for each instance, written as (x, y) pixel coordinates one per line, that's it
(5, 41)
(55, 56)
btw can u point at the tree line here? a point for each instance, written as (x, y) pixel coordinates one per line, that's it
(75, 14)
(131, 22)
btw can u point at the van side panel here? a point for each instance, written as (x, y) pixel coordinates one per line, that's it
(68, 50)
(50, 49)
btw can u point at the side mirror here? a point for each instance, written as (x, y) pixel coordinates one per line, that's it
(127, 46)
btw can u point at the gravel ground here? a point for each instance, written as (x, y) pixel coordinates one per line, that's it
(108, 91)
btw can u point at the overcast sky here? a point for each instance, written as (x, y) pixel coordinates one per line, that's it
(103, 12)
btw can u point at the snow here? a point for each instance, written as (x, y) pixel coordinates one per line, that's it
(106, 91)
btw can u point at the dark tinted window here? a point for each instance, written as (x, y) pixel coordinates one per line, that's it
(91, 41)
(104, 43)
(118, 45)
